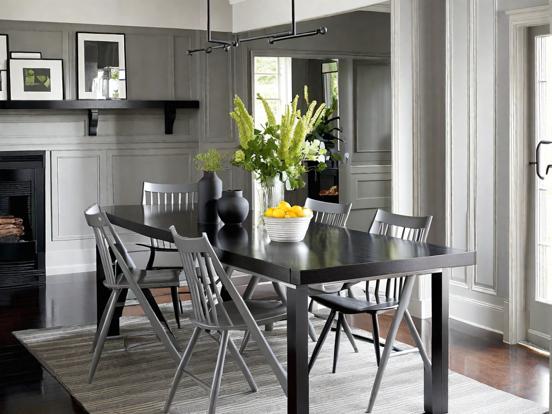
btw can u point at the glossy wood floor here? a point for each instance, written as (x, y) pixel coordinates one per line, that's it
(26, 388)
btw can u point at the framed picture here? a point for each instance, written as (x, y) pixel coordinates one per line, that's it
(3, 51)
(25, 55)
(36, 79)
(3, 85)
(101, 66)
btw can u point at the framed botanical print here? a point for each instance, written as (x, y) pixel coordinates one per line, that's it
(3, 85)
(3, 51)
(36, 79)
(101, 66)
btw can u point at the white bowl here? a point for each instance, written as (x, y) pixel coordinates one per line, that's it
(287, 229)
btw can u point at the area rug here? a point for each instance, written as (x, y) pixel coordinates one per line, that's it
(137, 379)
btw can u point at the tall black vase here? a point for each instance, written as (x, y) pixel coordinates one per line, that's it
(208, 192)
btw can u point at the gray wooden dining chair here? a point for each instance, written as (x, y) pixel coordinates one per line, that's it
(121, 274)
(213, 316)
(182, 196)
(381, 295)
(332, 214)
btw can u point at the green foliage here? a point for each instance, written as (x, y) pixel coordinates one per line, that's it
(279, 149)
(326, 129)
(211, 161)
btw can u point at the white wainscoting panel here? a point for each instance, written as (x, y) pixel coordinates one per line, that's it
(77, 180)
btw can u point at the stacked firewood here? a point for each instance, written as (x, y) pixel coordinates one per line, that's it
(11, 227)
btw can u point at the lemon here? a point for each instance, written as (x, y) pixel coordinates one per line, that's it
(269, 212)
(284, 205)
(290, 214)
(298, 211)
(278, 213)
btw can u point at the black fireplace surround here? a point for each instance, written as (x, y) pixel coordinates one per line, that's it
(22, 186)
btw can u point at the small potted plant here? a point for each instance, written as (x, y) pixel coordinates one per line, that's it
(210, 185)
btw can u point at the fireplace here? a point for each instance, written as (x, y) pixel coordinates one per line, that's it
(22, 218)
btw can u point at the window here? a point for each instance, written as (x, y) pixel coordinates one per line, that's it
(272, 79)
(330, 79)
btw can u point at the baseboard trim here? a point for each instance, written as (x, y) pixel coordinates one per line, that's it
(477, 313)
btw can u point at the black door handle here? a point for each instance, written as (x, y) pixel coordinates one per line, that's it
(536, 163)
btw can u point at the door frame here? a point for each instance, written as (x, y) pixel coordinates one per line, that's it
(519, 23)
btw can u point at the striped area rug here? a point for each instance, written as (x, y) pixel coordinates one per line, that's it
(137, 380)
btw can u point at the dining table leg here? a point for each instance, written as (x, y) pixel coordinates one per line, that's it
(298, 350)
(436, 377)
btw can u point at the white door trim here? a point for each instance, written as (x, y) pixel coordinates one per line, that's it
(519, 22)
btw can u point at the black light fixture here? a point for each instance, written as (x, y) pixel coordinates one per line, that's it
(272, 38)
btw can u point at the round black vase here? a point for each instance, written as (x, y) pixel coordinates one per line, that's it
(208, 192)
(232, 207)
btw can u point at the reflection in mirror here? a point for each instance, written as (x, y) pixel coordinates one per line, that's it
(279, 79)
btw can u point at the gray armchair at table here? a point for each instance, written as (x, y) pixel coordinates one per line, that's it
(377, 300)
(167, 196)
(214, 316)
(114, 256)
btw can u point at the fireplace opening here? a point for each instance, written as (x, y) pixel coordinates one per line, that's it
(22, 218)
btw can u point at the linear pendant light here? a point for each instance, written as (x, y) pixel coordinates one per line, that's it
(272, 38)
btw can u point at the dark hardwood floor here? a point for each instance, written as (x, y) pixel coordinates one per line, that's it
(25, 387)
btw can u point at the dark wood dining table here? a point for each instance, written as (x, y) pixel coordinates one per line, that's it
(327, 254)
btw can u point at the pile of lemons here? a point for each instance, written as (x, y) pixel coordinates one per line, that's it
(286, 210)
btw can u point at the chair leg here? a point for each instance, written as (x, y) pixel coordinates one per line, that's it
(242, 365)
(155, 308)
(251, 286)
(416, 336)
(102, 320)
(174, 296)
(245, 341)
(219, 368)
(310, 305)
(321, 339)
(403, 305)
(151, 259)
(104, 328)
(182, 366)
(376, 337)
(347, 330)
(336, 344)
(312, 331)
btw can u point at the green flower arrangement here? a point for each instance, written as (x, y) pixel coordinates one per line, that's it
(279, 149)
(210, 161)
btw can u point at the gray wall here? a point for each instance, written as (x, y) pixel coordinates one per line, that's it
(131, 145)
(479, 123)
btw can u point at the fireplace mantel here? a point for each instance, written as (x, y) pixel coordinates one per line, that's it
(93, 107)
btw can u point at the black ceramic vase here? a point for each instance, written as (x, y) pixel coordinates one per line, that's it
(208, 192)
(232, 207)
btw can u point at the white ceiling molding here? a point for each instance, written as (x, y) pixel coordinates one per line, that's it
(176, 14)
(384, 7)
(257, 14)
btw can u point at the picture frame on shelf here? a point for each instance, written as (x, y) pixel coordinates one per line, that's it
(25, 55)
(4, 47)
(101, 66)
(3, 85)
(36, 79)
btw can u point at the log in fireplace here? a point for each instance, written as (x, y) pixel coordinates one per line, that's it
(22, 218)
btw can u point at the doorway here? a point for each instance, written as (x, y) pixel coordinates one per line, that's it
(539, 265)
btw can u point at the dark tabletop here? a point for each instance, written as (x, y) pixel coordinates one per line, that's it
(326, 254)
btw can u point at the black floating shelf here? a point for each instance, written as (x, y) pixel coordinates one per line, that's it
(94, 106)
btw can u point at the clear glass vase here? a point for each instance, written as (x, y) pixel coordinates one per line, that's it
(269, 193)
